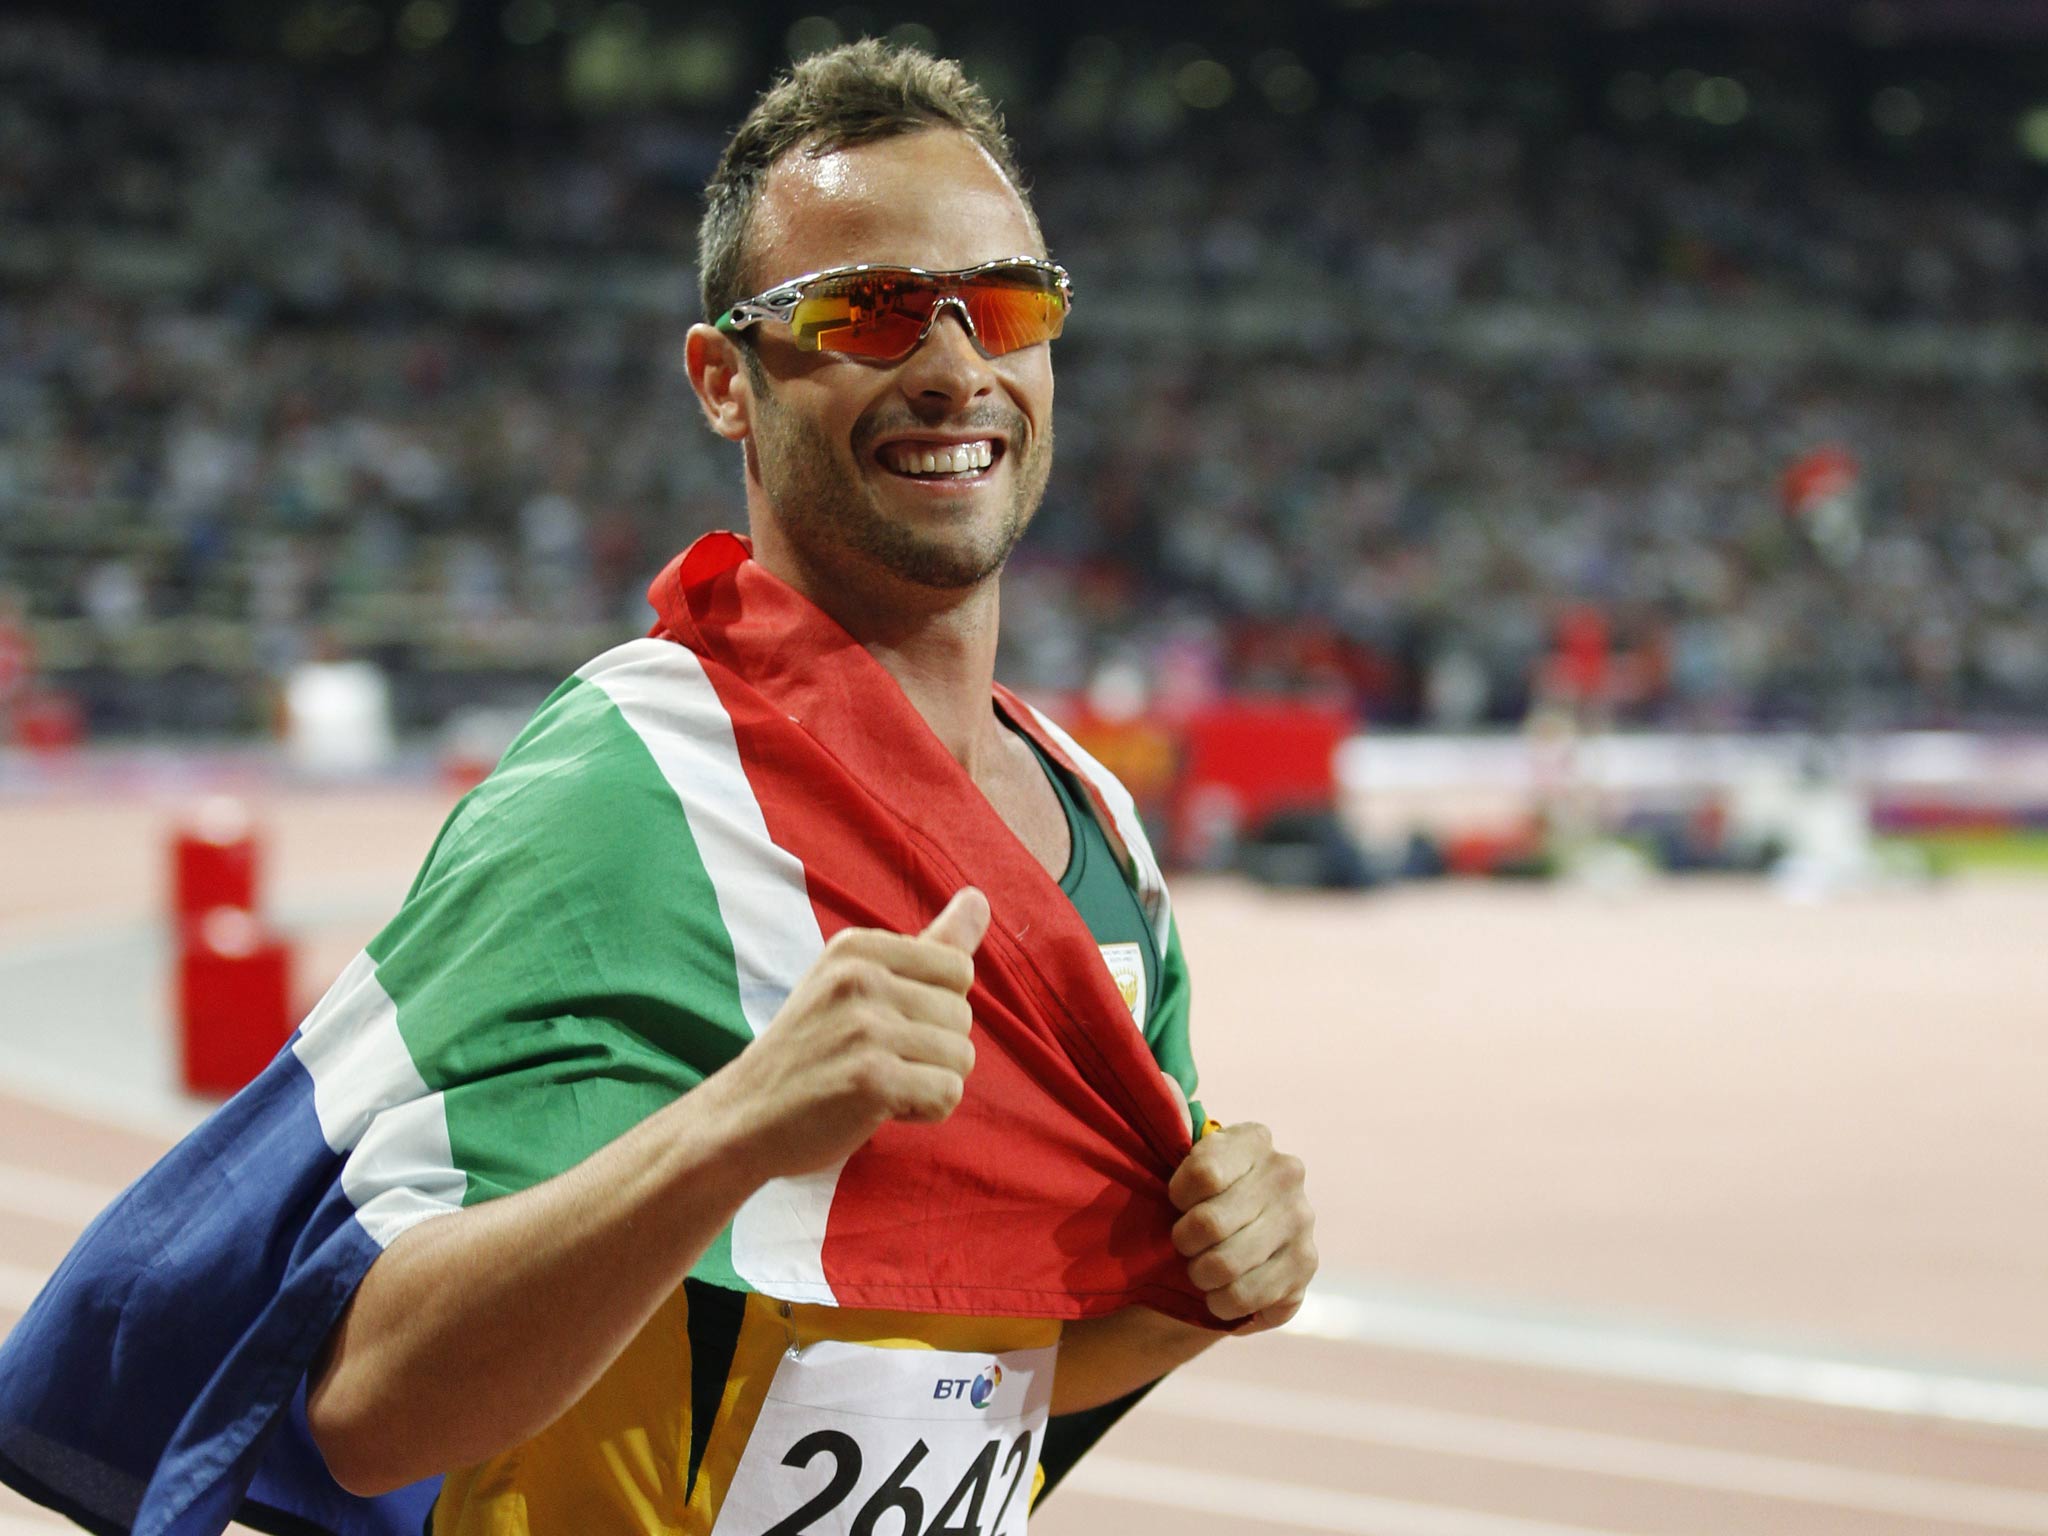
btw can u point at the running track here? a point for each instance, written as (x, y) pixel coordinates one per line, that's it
(1392, 1414)
(1294, 1433)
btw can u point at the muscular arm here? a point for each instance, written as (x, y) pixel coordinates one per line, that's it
(1105, 1358)
(476, 1330)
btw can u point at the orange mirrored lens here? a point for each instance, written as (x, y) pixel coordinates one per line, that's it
(882, 315)
(1007, 317)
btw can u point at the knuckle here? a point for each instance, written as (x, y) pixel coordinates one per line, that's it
(1242, 1296)
(938, 1099)
(847, 941)
(1210, 1273)
(852, 977)
(872, 1075)
(1224, 1303)
(859, 1030)
(1206, 1228)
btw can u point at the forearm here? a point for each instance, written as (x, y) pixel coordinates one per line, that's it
(475, 1331)
(1103, 1358)
(1246, 1230)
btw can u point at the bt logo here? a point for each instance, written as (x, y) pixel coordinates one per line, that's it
(978, 1392)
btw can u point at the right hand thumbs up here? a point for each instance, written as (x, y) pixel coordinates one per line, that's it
(963, 922)
(878, 1029)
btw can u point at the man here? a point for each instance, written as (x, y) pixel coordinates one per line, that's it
(790, 1159)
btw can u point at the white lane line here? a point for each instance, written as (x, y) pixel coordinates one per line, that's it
(51, 1196)
(33, 941)
(60, 947)
(1947, 1502)
(19, 1285)
(27, 942)
(1359, 1314)
(134, 1109)
(1221, 1497)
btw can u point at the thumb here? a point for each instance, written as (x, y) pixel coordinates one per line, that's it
(963, 922)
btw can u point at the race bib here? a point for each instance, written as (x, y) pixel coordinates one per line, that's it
(853, 1440)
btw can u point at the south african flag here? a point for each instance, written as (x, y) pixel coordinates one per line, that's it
(608, 919)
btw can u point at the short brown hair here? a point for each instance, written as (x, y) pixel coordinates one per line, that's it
(854, 94)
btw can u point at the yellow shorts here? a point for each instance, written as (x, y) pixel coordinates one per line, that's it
(618, 1462)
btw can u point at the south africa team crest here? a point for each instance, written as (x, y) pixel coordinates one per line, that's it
(1126, 964)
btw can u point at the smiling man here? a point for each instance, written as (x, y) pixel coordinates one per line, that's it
(770, 1111)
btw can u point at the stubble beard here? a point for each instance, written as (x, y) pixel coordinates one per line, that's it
(828, 514)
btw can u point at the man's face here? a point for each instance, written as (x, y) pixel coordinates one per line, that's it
(837, 444)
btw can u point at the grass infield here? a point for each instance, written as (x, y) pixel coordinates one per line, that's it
(1954, 852)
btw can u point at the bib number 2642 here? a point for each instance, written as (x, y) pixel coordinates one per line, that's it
(863, 1440)
(979, 1504)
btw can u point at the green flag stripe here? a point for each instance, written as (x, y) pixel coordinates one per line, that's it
(660, 690)
(662, 693)
(560, 970)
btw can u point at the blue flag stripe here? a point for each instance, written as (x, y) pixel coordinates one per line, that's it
(374, 1106)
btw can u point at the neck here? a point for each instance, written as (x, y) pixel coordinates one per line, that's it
(940, 646)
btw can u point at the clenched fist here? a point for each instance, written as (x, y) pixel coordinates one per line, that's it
(1246, 1228)
(877, 1030)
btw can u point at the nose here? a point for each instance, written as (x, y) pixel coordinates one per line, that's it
(946, 371)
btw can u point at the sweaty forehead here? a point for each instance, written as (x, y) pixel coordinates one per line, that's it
(930, 199)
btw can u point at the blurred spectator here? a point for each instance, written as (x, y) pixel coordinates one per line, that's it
(1345, 408)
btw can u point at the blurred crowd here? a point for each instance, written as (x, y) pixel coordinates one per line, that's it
(284, 375)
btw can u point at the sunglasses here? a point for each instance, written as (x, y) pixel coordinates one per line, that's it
(883, 314)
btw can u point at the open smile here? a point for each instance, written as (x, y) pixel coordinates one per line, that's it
(949, 462)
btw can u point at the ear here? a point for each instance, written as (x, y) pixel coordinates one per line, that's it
(719, 376)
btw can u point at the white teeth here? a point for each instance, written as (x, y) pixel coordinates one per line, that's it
(961, 458)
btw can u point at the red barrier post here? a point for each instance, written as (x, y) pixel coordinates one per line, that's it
(213, 862)
(234, 1000)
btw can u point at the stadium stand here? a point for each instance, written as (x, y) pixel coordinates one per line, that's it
(1359, 403)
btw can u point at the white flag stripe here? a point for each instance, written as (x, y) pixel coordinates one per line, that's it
(1123, 810)
(660, 690)
(52, 1196)
(403, 1170)
(351, 1048)
(373, 1105)
(1485, 1438)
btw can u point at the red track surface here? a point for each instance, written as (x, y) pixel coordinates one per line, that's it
(1288, 1434)
(1700, 1106)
